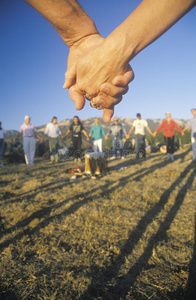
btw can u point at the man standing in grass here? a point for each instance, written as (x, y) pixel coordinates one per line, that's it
(139, 125)
(117, 131)
(191, 124)
(53, 132)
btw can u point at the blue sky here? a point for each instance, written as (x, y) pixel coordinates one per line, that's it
(33, 62)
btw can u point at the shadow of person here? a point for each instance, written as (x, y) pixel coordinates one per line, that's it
(191, 285)
(106, 282)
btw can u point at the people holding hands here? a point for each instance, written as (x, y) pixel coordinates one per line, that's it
(98, 69)
(168, 126)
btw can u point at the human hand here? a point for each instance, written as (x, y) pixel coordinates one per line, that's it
(111, 94)
(83, 77)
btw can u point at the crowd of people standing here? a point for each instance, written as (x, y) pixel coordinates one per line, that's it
(96, 72)
(97, 134)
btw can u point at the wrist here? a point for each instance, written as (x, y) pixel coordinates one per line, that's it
(76, 35)
(85, 43)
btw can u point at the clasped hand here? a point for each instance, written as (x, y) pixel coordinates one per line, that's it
(95, 72)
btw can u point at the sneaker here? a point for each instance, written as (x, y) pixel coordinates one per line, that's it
(122, 157)
(113, 157)
(172, 158)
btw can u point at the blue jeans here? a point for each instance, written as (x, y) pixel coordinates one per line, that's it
(140, 145)
(1, 148)
(118, 146)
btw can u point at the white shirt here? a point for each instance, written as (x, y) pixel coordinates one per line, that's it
(140, 126)
(2, 132)
(27, 130)
(192, 124)
(52, 130)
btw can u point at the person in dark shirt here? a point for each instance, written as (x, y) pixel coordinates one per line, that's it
(76, 129)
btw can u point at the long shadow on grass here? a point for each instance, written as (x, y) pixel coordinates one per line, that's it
(44, 212)
(53, 185)
(32, 193)
(105, 282)
(133, 161)
(191, 286)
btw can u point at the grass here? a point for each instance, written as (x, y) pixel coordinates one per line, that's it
(127, 235)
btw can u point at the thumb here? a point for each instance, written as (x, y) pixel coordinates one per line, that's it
(77, 97)
(70, 77)
(107, 114)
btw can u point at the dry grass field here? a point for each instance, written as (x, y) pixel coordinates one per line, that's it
(130, 234)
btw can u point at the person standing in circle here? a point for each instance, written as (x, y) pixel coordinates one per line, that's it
(139, 124)
(117, 131)
(168, 126)
(76, 129)
(28, 131)
(191, 124)
(2, 144)
(97, 132)
(53, 132)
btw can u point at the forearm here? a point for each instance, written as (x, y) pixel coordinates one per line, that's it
(85, 133)
(43, 136)
(185, 128)
(37, 135)
(67, 17)
(130, 131)
(149, 21)
(149, 130)
(17, 136)
(67, 133)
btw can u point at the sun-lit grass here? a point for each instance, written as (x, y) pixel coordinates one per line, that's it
(127, 235)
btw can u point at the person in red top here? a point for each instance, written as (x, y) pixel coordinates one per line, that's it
(168, 126)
